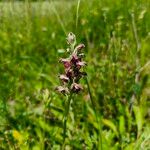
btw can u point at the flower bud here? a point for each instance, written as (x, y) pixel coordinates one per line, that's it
(79, 47)
(71, 39)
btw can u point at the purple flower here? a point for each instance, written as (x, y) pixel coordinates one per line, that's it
(72, 67)
(75, 58)
(66, 62)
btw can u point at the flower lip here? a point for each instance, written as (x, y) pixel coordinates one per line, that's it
(69, 73)
(64, 78)
(75, 58)
(66, 62)
(62, 89)
(75, 87)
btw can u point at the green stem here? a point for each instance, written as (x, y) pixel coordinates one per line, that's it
(138, 47)
(96, 115)
(77, 13)
(66, 118)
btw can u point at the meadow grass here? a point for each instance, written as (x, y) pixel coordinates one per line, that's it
(32, 38)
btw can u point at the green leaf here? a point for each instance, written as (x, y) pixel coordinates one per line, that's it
(111, 125)
(139, 118)
(121, 125)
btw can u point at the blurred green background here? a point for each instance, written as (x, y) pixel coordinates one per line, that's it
(33, 38)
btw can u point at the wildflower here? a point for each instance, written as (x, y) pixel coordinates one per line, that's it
(17, 135)
(72, 74)
(72, 67)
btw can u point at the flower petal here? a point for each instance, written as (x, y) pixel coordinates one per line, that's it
(75, 87)
(81, 63)
(66, 62)
(63, 90)
(75, 58)
(80, 47)
(64, 78)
